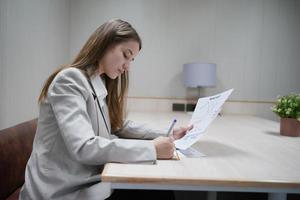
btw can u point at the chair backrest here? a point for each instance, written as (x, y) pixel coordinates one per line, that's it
(15, 149)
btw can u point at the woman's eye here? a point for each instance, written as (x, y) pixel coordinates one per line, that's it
(125, 56)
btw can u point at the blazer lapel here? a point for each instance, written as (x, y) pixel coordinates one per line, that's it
(100, 93)
(99, 87)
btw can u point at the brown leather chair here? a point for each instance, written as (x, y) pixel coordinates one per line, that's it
(15, 149)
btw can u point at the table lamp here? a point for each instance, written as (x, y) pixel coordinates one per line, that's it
(198, 75)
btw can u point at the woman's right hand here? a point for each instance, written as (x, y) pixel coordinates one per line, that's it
(164, 147)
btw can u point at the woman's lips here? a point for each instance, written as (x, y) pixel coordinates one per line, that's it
(120, 71)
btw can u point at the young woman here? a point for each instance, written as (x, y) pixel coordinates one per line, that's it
(81, 122)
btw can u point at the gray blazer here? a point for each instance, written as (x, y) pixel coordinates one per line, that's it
(72, 142)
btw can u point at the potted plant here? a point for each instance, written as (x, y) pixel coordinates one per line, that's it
(288, 108)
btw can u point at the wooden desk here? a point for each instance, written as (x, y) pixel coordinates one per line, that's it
(244, 153)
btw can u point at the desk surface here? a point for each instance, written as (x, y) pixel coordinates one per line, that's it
(242, 152)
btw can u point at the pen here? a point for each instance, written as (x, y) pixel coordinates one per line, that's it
(168, 134)
(171, 127)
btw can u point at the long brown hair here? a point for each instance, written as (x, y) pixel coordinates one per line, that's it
(106, 36)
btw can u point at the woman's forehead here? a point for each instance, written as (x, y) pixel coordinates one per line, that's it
(131, 45)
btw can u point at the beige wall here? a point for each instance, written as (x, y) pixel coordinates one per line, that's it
(34, 40)
(255, 44)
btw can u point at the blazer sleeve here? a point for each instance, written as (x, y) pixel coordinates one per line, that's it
(67, 95)
(136, 130)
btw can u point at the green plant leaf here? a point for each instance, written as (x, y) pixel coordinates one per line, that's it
(288, 106)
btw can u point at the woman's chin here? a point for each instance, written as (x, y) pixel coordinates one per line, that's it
(112, 76)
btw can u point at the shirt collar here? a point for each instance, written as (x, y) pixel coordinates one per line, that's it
(99, 86)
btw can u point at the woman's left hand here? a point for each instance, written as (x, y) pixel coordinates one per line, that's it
(180, 132)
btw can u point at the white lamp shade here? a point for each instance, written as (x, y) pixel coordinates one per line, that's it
(199, 74)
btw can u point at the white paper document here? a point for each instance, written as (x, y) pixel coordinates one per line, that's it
(206, 111)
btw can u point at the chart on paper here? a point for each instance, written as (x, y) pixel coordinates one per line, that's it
(206, 111)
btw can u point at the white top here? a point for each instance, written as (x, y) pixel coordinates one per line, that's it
(72, 142)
